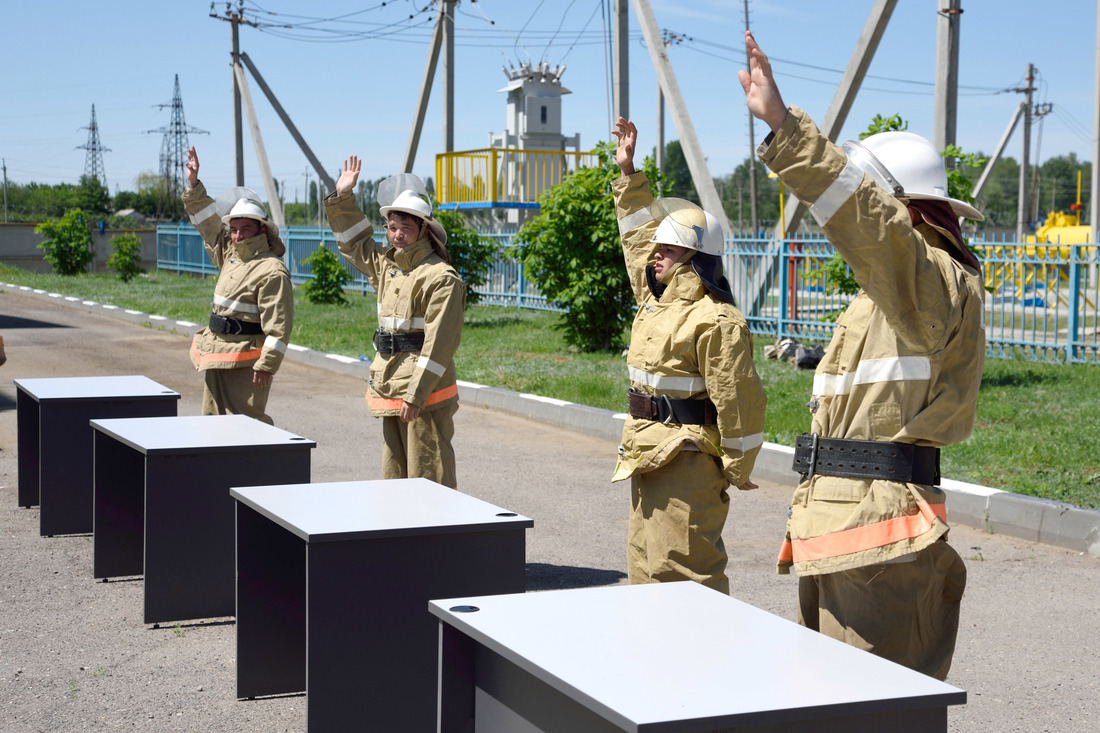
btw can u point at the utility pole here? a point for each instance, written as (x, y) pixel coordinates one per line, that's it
(1094, 195)
(4, 163)
(752, 150)
(945, 111)
(1023, 205)
(447, 8)
(93, 161)
(235, 18)
(173, 149)
(620, 52)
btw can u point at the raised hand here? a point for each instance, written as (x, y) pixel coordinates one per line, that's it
(192, 167)
(347, 179)
(761, 91)
(627, 135)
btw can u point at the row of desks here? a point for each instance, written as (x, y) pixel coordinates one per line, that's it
(336, 590)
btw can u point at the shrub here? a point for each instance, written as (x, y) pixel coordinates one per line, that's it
(472, 254)
(68, 243)
(329, 277)
(125, 257)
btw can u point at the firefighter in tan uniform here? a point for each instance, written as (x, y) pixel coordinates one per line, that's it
(421, 300)
(867, 530)
(253, 311)
(695, 400)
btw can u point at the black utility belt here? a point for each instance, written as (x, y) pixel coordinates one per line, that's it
(669, 410)
(221, 324)
(389, 342)
(905, 462)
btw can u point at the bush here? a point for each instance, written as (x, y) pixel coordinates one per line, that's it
(472, 254)
(573, 252)
(68, 243)
(329, 277)
(125, 257)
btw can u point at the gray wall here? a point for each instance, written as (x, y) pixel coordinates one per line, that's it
(19, 247)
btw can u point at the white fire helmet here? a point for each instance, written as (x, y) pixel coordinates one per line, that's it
(405, 192)
(908, 166)
(685, 224)
(243, 203)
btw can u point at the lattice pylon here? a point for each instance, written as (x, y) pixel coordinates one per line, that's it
(93, 161)
(173, 148)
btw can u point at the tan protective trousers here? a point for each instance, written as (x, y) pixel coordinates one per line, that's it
(421, 448)
(230, 392)
(676, 517)
(907, 612)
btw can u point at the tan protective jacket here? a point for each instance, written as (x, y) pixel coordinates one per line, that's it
(417, 292)
(904, 364)
(254, 286)
(687, 345)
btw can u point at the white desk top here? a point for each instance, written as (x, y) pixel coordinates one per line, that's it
(347, 510)
(197, 433)
(645, 654)
(92, 388)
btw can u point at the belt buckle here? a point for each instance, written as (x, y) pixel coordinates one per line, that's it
(231, 324)
(668, 404)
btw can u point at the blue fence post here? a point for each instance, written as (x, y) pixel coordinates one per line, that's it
(1073, 327)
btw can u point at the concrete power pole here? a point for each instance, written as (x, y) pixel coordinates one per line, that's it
(4, 163)
(697, 163)
(1023, 213)
(235, 18)
(752, 150)
(447, 9)
(945, 112)
(1094, 194)
(425, 94)
(620, 85)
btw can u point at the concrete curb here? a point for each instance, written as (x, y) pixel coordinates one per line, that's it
(996, 511)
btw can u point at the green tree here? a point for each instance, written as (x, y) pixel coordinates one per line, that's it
(572, 251)
(677, 173)
(472, 254)
(125, 257)
(329, 277)
(68, 243)
(92, 197)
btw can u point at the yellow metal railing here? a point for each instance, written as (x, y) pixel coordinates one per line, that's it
(503, 176)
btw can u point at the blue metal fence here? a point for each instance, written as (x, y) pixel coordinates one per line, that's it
(1043, 301)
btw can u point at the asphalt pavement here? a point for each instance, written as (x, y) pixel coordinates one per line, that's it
(75, 655)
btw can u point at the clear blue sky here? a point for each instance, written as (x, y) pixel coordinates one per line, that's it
(356, 95)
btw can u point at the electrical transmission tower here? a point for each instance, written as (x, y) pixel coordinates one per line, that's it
(93, 161)
(173, 150)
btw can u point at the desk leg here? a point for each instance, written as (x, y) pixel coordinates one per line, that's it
(119, 507)
(271, 607)
(456, 681)
(26, 412)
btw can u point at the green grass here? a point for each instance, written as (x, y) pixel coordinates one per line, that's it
(1036, 430)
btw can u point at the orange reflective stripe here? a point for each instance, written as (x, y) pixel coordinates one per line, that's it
(222, 358)
(379, 403)
(785, 552)
(881, 533)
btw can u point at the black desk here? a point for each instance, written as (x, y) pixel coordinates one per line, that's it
(163, 509)
(333, 584)
(664, 657)
(55, 441)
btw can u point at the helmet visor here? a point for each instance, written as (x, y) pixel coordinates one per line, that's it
(866, 161)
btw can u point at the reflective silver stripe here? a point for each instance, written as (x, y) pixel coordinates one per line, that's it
(635, 220)
(349, 234)
(871, 371)
(273, 343)
(391, 323)
(235, 305)
(209, 212)
(426, 363)
(744, 444)
(667, 383)
(839, 191)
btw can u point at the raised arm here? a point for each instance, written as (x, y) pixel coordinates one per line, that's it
(761, 91)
